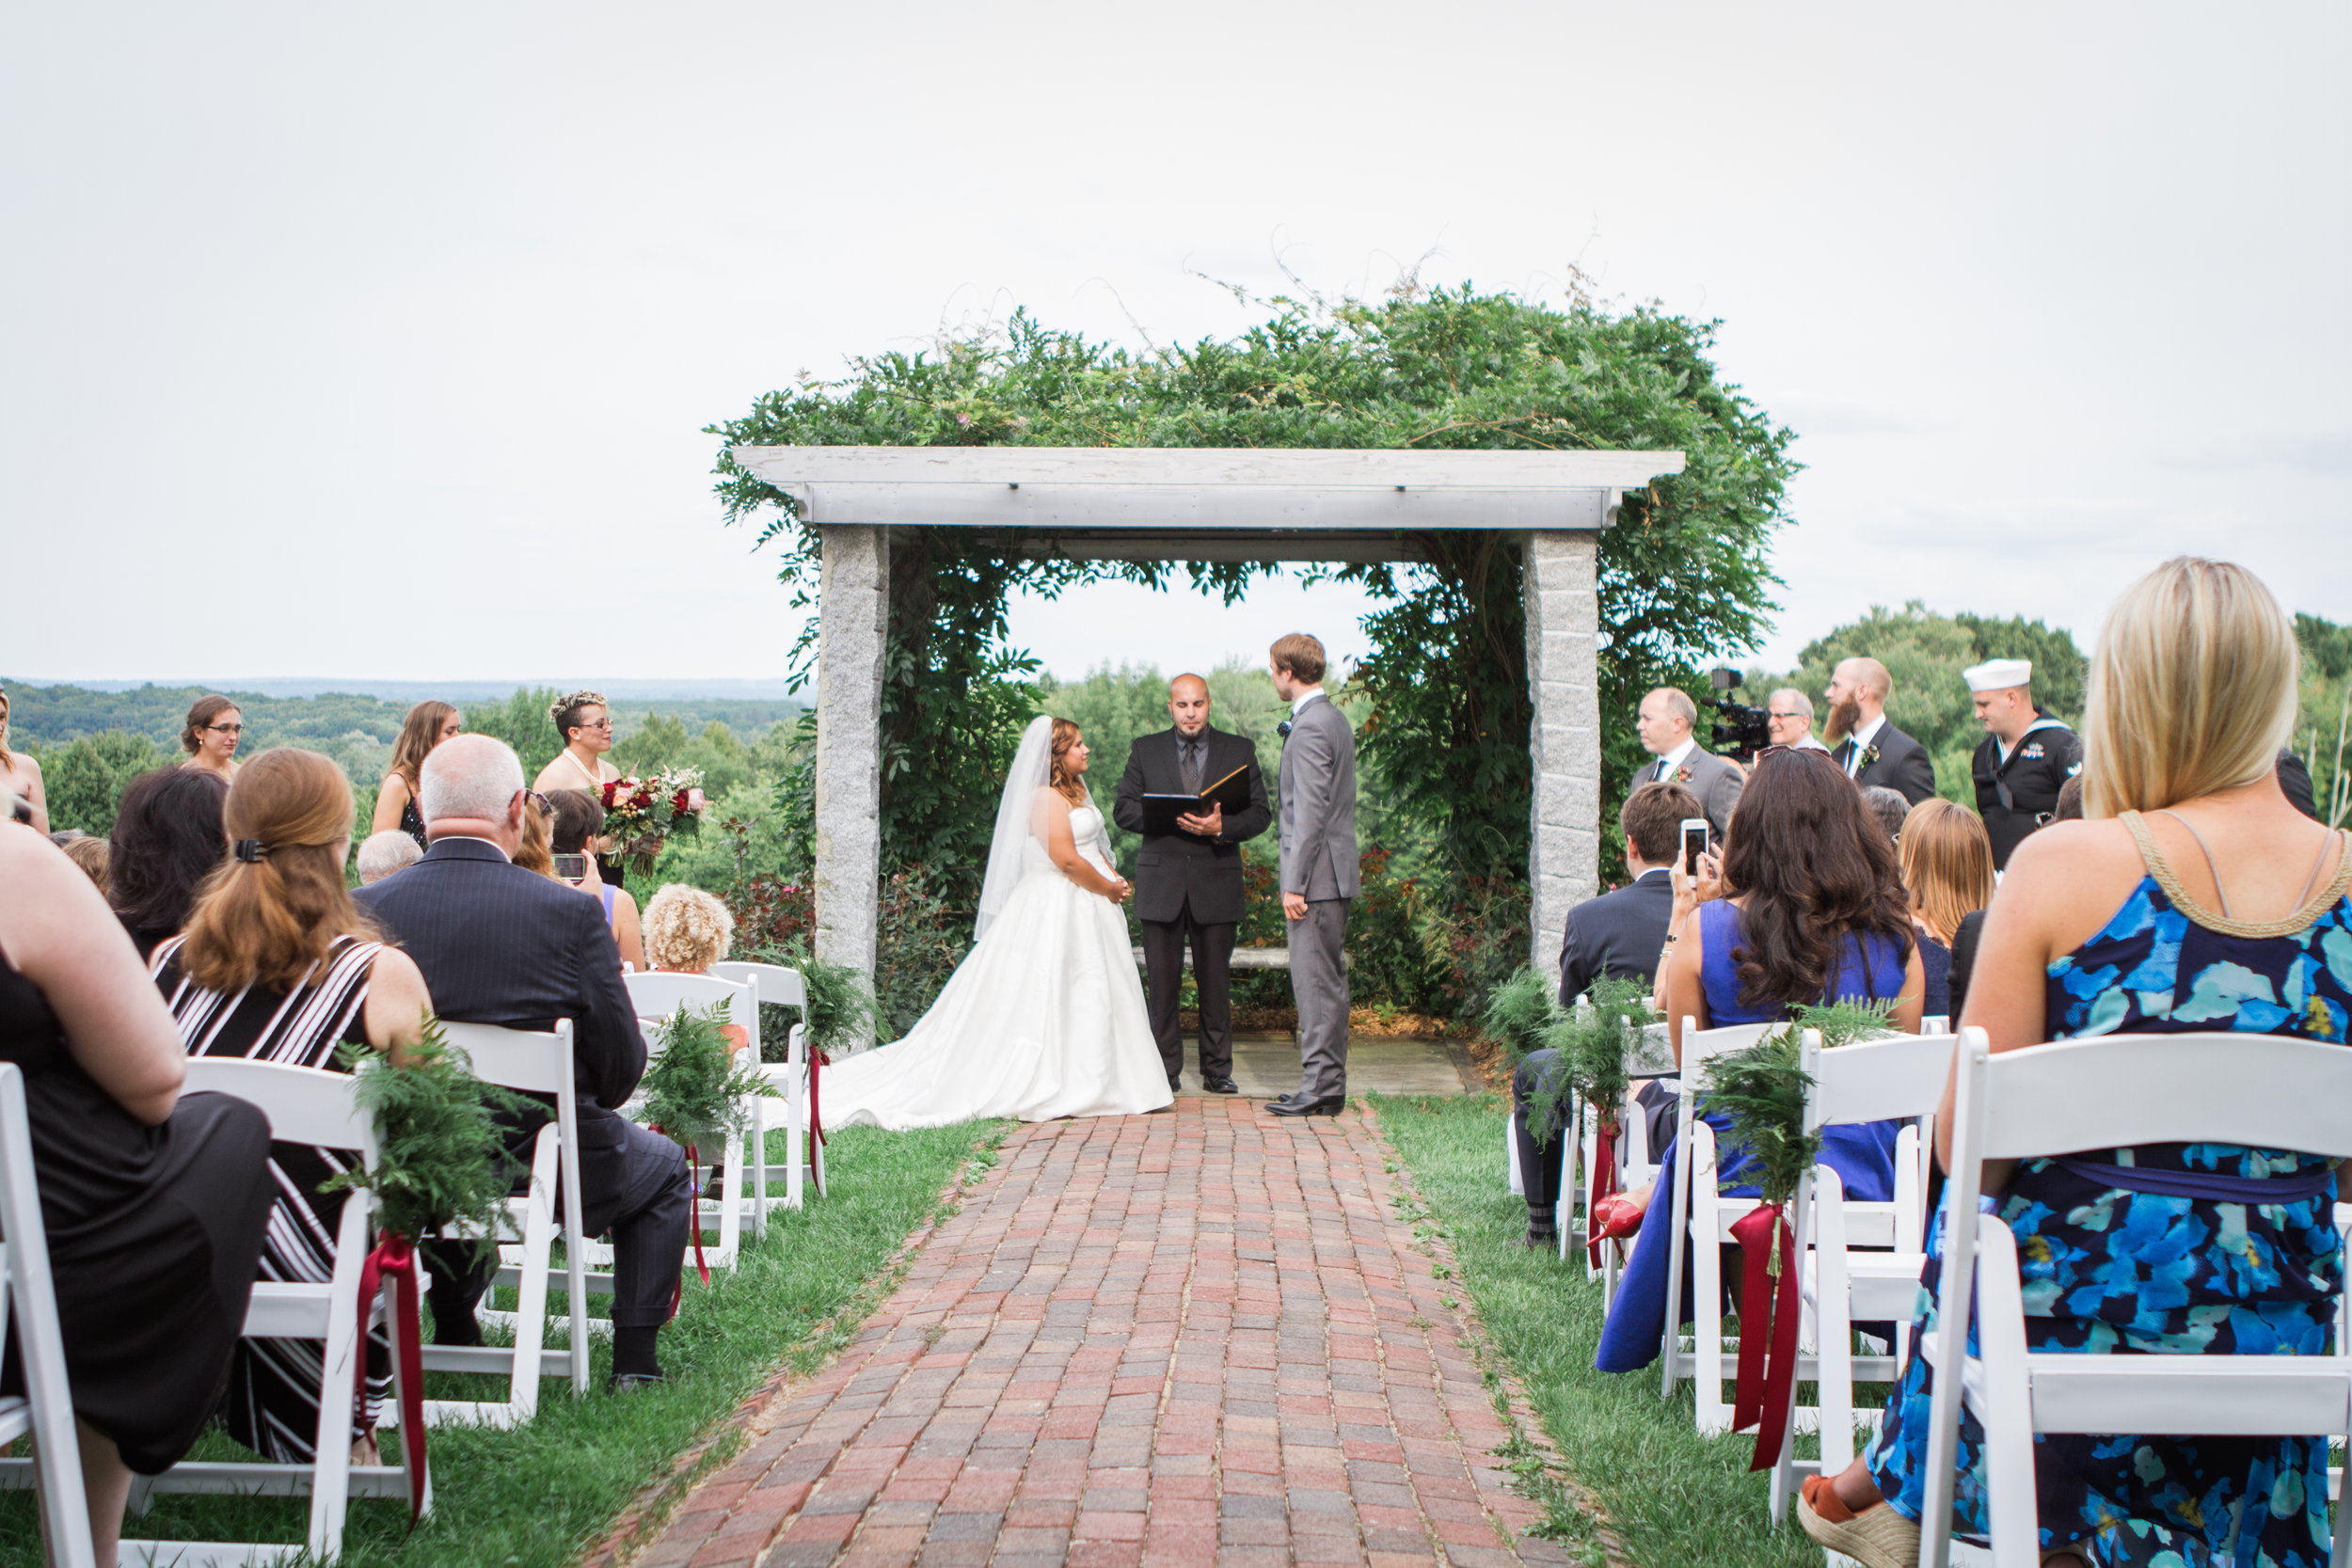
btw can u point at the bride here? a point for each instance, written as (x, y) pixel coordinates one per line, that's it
(1044, 1017)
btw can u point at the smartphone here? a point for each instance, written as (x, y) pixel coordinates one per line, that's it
(1695, 843)
(572, 868)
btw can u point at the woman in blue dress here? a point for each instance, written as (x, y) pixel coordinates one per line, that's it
(1804, 906)
(2193, 898)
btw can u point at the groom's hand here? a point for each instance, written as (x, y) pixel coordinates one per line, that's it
(1294, 906)
(1205, 827)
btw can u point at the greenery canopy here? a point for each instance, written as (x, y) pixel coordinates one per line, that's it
(1683, 578)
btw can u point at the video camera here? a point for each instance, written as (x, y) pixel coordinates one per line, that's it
(1747, 729)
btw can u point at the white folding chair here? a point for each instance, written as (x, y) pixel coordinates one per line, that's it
(45, 1408)
(803, 1156)
(1650, 1057)
(306, 1106)
(1699, 1221)
(2270, 1091)
(654, 997)
(543, 1064)
(1867, 1081)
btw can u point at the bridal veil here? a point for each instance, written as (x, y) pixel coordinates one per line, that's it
(1032, 770)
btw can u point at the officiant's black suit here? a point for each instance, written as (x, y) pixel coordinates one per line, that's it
(1188, 889)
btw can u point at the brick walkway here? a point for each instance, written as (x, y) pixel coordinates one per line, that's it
(1201, 1337)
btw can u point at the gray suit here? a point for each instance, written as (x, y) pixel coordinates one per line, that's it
(1319, 861)
(1716, 783)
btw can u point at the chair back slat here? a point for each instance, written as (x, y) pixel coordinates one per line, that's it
(532, 1061)
(776, 985)
(2122, 1089)
(658, 995)
(305, 1104)
(1879, 1080)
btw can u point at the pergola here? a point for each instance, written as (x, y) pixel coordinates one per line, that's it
(1191, 503)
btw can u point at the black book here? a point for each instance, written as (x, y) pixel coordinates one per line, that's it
(1160, 812)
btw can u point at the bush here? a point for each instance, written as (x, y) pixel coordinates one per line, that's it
(918, 941)
(1478, 936)
(85, 780)
(1388, 951)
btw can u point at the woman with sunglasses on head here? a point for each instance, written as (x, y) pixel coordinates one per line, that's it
(584, 720)
(211, 734)
(20, 775)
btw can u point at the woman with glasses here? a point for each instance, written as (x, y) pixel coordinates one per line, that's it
(211, 734)
(585, 722)
(20, 775)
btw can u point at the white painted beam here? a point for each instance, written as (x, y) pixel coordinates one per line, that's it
(1202, 467)
(1029, 506)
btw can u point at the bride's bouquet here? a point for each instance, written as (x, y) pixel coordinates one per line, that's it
(642, 812)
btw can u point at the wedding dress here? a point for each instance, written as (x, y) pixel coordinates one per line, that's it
(1044, 1017)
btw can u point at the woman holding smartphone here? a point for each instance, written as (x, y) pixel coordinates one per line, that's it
(578, 814)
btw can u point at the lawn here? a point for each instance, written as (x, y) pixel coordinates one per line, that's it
(542, 1494)
(1674, 1500)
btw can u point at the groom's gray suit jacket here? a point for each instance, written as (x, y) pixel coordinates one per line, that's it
(1318, 805)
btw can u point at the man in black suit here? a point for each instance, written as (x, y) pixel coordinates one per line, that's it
(1861, 741)
(503, 946)
(1188, 885)
(1616, 936)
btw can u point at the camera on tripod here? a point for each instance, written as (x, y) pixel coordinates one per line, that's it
(1746, 729)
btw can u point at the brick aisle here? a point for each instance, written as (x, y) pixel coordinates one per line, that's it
(1200, 1337)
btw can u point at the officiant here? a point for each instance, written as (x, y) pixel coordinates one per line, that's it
(1188, 883)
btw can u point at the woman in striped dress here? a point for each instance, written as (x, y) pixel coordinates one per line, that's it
(278, 964)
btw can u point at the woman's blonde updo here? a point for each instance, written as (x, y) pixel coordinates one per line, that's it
(565, 711)
(268, 914)
(1069, 785)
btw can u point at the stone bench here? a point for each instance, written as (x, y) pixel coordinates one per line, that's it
(1247, 958)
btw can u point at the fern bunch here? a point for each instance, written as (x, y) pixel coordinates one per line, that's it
(694, 1089)
(1520, 1014)
(841, 1011)
(440, 1151)
(1761, 1090)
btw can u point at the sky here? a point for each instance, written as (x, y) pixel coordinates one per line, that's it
(379, 344)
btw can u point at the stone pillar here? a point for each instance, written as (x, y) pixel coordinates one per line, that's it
(852, 616)
(1564, 734)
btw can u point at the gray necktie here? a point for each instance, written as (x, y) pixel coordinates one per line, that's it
(1189, 752)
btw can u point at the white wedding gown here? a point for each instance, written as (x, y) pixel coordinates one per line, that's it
(1044, 1019)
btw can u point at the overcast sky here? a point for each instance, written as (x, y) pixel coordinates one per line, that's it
(370, 342)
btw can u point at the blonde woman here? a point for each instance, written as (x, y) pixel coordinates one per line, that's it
(427, 725)
(1946, 858)
(211, 734)
(687, 930)
(585, 722)
(20, 775)
(2193, 897)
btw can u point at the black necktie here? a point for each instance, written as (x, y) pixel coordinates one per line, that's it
(1190, 763)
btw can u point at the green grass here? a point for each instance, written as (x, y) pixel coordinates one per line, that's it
(1674, 1499)
(542, 1494)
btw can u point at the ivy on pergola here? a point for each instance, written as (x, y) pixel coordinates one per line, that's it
(1683, 578)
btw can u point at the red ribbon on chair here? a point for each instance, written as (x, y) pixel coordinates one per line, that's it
(395, 1258)
(1768, 1313)
(816, 1120)
(694, 1169)
(1604, 1185)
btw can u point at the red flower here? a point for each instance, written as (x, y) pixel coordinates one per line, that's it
(678, 801)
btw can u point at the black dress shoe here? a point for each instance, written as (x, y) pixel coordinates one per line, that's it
(1329, 1106)
(630, 1382)
(1220, 1086)
(1175, 1083)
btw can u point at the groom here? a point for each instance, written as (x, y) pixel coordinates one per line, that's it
(1188, 884)
(1318, 861)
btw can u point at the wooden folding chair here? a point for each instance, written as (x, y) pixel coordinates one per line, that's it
(534, 1063)
(2269, 1091)
(654, 997)
(803, 1156)
(45, 1408)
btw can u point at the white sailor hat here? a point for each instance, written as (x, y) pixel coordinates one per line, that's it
(1999, 674)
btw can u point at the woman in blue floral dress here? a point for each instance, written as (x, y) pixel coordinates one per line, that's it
(2194, 898)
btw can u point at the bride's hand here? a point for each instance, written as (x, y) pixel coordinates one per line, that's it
(1119, 890)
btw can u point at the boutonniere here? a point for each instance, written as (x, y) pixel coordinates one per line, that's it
(1870, 755)
(1682, 774)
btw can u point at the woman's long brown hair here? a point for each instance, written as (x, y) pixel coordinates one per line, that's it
(270, 922)
(418, 734)
(1069, 785)
(1811, 867)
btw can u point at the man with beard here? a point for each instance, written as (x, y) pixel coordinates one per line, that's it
(2026, 759)
(1861, 741)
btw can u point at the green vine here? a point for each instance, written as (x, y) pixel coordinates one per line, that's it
(439, 1148)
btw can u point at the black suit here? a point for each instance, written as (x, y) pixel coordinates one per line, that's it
(501, 945)
(1188, 889)
(1902, 766)
(1616, 936)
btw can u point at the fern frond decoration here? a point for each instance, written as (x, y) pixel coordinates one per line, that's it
(1761, 1091)
(694, 1089)
(1520, 1013)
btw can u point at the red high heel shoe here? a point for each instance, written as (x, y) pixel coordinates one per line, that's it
(1617, 1216)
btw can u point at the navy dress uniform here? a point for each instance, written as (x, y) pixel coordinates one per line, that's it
(2017, 790)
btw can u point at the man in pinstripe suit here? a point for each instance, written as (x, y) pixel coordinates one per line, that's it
(499, 945)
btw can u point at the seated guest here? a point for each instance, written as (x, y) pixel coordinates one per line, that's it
(1947, 870)
(687, 930)
(578, 814)
(278, 965)
(385, 853)
(211, 734)
(20, 775)
(1616, 936)
(1890, 807)
(2193, 894)
(1808, 906)
(536, 852)
(167, 837)
(427, 725)
(89, 853)
(499, 945)
(153, 1203)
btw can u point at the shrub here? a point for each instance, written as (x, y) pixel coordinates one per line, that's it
(918, 941)
(1478, 936)
(1386, 946)
(85, 780)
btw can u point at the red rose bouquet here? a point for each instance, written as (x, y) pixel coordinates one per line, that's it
(643, 811)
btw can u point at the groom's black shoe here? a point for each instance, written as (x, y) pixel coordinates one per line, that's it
(1220, 1086)
(1329, 1106)
(1175, 1083)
